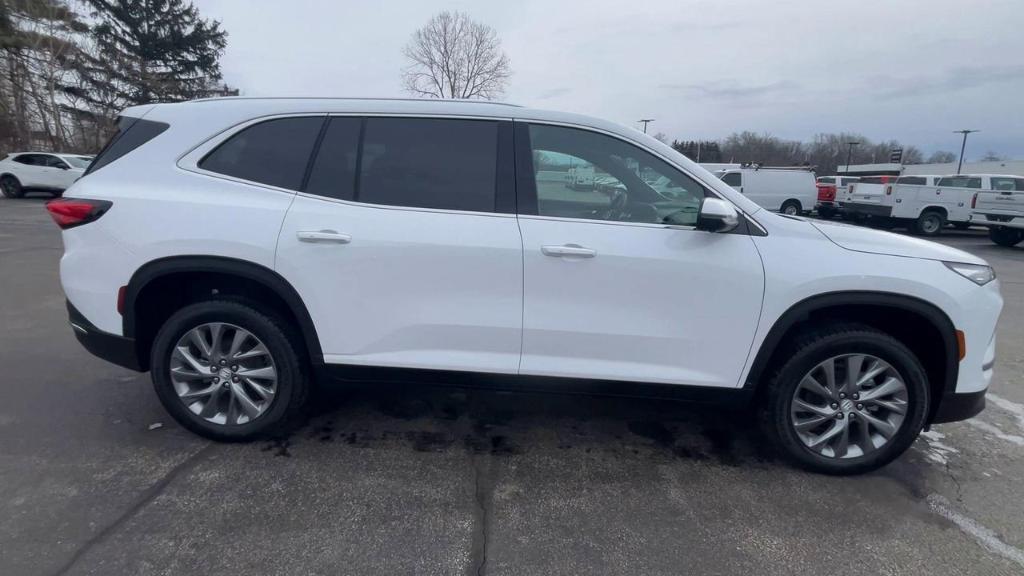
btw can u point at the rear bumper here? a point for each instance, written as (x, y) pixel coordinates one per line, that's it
(110, 347)
(867, 209)
(955, 407)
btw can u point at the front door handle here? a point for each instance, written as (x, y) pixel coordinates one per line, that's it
(568, 250)
(323, 236)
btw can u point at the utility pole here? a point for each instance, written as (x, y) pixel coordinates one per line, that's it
(963, 145)
(646, 121)
(849, 154)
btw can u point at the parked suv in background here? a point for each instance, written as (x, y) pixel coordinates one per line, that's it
(54, 173)
(240, 249)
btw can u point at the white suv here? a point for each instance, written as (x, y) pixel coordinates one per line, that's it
(54, 173)
(241, 249)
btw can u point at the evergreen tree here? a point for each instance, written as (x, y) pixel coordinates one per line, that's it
(151, 51)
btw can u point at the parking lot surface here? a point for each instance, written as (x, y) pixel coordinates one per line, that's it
(96, 478)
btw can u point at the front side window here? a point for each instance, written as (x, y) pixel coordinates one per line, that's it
(54, 162)
(582, 174)
(274, 152)
(733, 179)
(334, 171)
(429, 163)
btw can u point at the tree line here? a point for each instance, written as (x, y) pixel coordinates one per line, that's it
(68, 67)
(826, 152)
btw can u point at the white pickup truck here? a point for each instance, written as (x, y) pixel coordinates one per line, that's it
(925, 203)
(1001, 210)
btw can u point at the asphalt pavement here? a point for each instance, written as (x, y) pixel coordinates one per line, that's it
(95, 478)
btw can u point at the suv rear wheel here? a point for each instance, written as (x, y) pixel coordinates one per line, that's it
(850, 399)
(228, 372)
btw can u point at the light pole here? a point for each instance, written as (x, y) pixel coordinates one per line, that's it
(849, 154)
(963, 145)
(646, 121)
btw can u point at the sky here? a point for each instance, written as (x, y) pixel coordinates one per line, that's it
(909, 70)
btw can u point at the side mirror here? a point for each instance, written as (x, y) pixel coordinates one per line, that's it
(717, 215)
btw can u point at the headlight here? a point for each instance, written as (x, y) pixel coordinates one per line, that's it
(977, 273)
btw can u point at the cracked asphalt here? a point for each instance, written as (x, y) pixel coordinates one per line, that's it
(396, 479)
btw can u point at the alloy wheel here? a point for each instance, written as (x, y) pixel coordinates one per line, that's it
(849, 406)
(223, 373)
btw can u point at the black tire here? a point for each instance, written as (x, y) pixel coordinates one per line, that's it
(962, 225)
(1003, 236)
(814, 347)
(292, 387)
(930, 223)
(791, 207)
(826, 213)
(11, 187)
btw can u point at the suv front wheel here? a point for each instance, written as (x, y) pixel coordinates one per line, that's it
(848, 400)
(228, 372)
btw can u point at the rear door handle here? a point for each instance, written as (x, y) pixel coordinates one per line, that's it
(568, 250)
(323, 236)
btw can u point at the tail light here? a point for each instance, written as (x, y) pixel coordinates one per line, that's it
(71, 212)
(974, 201)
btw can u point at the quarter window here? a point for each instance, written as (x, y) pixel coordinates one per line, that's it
(429, 163)
(1007, 184)
(582, 174)
(275, 152)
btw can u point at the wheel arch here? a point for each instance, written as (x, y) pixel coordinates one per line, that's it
(212, 275)
(920, 325)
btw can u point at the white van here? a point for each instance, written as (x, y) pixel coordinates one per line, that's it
(787, 190)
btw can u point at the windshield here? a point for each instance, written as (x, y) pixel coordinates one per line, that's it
(78, 161)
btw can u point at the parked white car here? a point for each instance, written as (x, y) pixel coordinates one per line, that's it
(25, 171)
(345, 238)
(786, 190)
(1001, 210)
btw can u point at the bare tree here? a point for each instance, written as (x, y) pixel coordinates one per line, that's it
(941, 157)
(455, 57)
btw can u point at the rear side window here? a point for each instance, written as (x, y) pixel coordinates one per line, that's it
(131, 133)
(334, 171)
(28, 160)
(915, 180)
(846, 181)
(429, 163)
(733, 179)
(275, 152)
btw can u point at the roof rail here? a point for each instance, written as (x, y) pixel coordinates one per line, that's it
(459, 100)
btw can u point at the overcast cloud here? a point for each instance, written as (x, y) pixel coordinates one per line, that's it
(912, 70)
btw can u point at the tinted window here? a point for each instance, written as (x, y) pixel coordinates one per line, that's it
(960, 182)
(334, 172)
(54, 162)
(826, 180)
(582, 174)
(275, 152)
(915, 180)
(429, 163)
(733, 179)
(131, 133)
(28, 159)
(845, 181)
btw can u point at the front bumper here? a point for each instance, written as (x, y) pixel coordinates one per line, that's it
(110, 347)
(955, 407)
